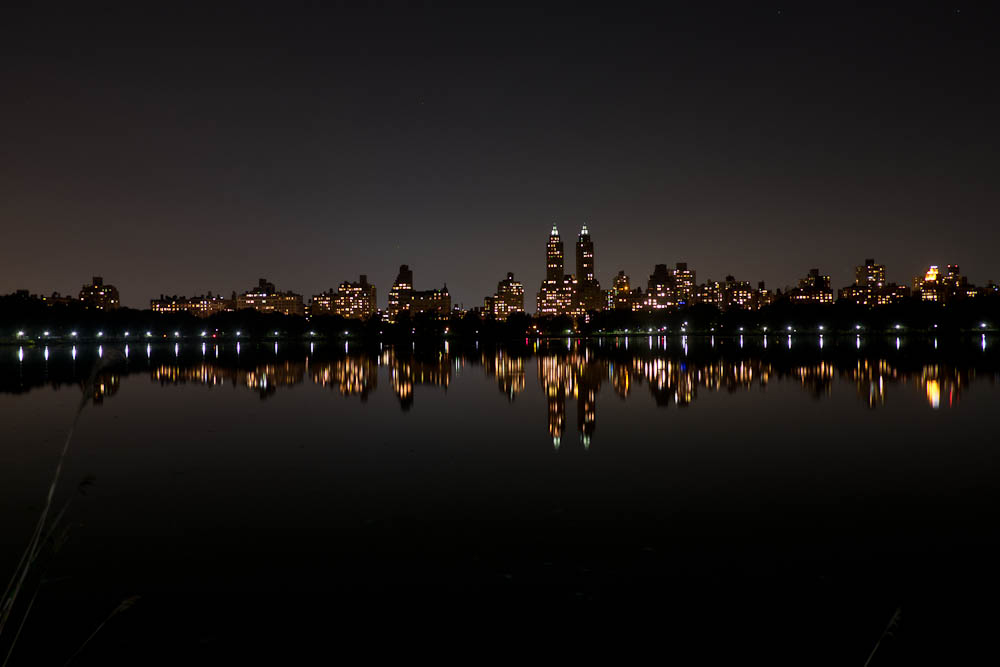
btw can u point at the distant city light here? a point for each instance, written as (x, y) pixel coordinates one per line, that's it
(148, 334)
(821, 327)
(100, 333)
(177, 334)
(899, 326)
(46, 333)
(204, 333)
(73, 334)
(20, 334)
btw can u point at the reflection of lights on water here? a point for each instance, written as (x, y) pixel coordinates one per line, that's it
(311, 346)
(713, 341)
(149, 349)
(446, 348)
(20, 354)
(935, 341)
(73, 352)
(276, 347)
(100, 351)
(857, 342)
(126, 351)
(555, 441)
(684, 342)
(821, 340)
(345, 346)
(237, 348)
(46, 353)
(934, 393)
(984, 342)
(177, 349)
(765, 341)
(741, 342)
(789, 342)
(897, 342)
(204, 348)
(216, 351)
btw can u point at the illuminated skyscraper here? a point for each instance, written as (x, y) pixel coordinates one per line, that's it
(589, 295)
(554, 263)
(584, 257)
(558, 292)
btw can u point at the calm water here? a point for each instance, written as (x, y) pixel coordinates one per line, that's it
(789, 494)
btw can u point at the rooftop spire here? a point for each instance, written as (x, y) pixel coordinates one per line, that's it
(554, 232)
(584, 232)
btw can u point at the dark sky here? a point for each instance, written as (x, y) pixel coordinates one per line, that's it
(183, 151)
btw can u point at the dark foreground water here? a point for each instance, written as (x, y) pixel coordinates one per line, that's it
(725, 498)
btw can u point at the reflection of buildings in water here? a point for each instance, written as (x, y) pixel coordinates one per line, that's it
(508, 371)
(264, 379)
(817, 378)
(941, 383)
(572, 375)
(405, 372)
(351, 375)
(105, 385)
(871, 378)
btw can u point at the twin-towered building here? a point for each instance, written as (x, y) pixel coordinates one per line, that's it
(569, 294)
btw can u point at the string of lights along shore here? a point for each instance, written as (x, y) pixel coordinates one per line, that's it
(560, 293)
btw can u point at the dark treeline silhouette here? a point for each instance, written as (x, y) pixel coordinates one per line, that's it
(34, 318)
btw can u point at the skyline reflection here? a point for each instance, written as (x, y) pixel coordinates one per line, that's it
(675, 373)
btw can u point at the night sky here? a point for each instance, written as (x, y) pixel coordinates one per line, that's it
(177, 151)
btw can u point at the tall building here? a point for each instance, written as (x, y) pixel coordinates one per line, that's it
(399, 294)
(267, 299)
(99, 296)
(870, 288)
(554, 265)
(404, 299)
(355, 300)
(942, 287)
(684, 284)
(622, 296)
(737, 294)
(589, 295)
(558, 292)
(509, 299)
(660, 292)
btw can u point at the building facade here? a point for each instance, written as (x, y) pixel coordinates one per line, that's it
(98, 296)
(509, 299)
(267, 299)
(199, 306)
(404, 299)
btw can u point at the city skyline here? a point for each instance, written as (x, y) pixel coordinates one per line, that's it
(734, 139)
(560, 292)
